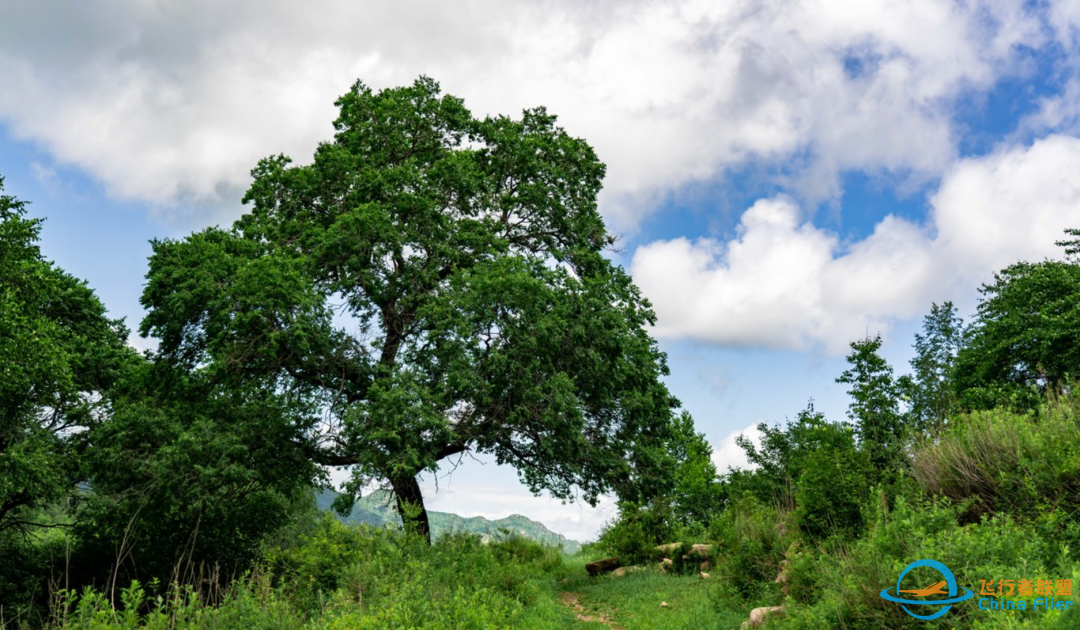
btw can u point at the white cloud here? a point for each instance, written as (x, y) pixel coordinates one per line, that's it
(784, 283)
(176, 101)
(731, 455)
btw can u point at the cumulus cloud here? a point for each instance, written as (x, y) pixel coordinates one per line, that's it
(730, 455)
(784, 283)
(176, 101)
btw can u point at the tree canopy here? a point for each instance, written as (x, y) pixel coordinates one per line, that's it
(59, 357)
(430, 284)
(1025, 338)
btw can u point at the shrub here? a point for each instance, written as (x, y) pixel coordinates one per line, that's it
(1000, 461)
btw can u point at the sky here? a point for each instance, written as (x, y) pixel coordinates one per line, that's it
(785, 176)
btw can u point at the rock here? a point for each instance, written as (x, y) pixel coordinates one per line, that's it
(663, 604)
(600, 567)
(758, 615)
(701, 550)
(705, 566)
(664, 564)
(621, 571)
(703, 575)
(781, 578)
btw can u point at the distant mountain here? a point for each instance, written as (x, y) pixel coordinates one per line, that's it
(376, 509)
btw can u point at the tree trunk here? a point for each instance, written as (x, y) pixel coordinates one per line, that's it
(410, 505)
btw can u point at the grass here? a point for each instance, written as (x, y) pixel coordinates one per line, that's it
(633, 601)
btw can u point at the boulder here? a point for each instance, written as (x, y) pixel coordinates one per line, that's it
(621, 571)
(758, 615)
(600, 567)
(701, 550)
(664, 564)
(703, 575)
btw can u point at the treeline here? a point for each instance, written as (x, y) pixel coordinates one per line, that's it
(972, 458)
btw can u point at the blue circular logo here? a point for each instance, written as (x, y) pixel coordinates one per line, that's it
(945, 604)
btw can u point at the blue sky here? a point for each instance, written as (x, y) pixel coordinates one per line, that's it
(786, 176)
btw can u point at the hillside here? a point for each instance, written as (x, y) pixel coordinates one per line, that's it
(375, 510)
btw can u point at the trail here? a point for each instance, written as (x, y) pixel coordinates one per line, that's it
(573, 602)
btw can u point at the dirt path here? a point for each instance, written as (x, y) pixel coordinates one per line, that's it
(571, 601)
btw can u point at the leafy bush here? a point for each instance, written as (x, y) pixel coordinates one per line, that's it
(634, 536)
(832, 488)
(751, 539)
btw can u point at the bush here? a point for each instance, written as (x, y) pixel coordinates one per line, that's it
(1000, 461)
(751, 539)
(634, 535)
(338, 577)
(839, 588)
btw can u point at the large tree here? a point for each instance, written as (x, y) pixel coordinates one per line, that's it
(438, 282)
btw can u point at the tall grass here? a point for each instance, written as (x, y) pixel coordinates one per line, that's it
(343, 577)
(999, 461)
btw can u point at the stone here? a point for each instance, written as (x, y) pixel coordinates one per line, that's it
(600, 567)
(621, 571)
(703, 575)
(758, 615)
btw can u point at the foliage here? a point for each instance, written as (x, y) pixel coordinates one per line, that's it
(59, 356)
(1025, 339)
(1000, 461)
(336, 576)
(752, 543)
(188, 475)
(875, 407)
(683, 512)
(438, 282)
(844, 591)
(833, 486)
(696, 493)
(638, 529)
(930, 390)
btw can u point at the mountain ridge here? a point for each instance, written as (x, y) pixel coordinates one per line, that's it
(375, 509)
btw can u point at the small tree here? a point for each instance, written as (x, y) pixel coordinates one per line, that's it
(1026, 336)
(438, 283)
(875, 405)
(929, 389)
